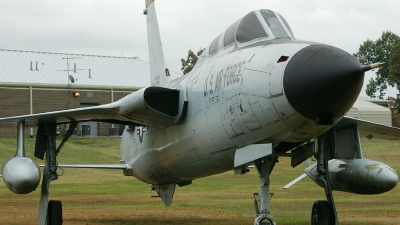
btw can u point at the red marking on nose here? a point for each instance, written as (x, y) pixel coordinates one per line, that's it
(283, 59)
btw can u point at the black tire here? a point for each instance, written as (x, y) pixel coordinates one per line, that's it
(321, 213)
(54, 212)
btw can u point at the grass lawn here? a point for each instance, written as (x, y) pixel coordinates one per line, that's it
(93, 196)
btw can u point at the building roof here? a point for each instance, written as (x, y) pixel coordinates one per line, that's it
(88, 70)
(382, 102)
(366, 110)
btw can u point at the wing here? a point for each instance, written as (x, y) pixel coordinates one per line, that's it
(151, 106)
(370, 129)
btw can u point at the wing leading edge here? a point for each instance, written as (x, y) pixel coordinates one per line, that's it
(370, 129)
(151, 106)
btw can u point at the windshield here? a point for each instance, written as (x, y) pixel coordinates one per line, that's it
(274, 24)
(250, 29)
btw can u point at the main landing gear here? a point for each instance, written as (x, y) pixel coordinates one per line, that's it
(50, 212)
(324, 212)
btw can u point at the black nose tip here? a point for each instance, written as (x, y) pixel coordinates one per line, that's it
(322, 82)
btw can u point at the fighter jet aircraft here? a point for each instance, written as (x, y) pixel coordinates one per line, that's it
(255, 94)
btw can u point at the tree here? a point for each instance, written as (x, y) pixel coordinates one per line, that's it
(188, 64)
(394, 106)
(384, 49)
(394, 64)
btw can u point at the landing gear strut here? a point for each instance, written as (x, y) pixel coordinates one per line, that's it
(264, 168)
(324, 212)
(50, 212)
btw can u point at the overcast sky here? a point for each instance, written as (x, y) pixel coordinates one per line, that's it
(117, 28)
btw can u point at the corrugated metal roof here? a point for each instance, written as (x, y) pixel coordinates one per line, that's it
(371, 99)
(51, 68)
(363, 109)
(378, 101)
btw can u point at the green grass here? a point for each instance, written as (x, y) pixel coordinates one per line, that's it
(92, 196)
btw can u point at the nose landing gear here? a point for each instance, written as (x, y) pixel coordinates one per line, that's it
(264, 168)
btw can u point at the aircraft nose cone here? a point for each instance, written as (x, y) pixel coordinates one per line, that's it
(322, 82)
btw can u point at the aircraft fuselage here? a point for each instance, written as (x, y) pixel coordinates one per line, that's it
(236, 98)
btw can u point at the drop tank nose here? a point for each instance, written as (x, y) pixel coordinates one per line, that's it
(21, 175)
(322, 82)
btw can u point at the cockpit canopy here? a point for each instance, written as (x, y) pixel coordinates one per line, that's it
(257, 25)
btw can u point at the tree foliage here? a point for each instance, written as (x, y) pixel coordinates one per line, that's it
(394, 64)
(384, 49)
(191, 60)
(394, 107)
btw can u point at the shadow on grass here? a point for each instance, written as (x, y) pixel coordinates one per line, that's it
(152, 220)
(200, 221)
